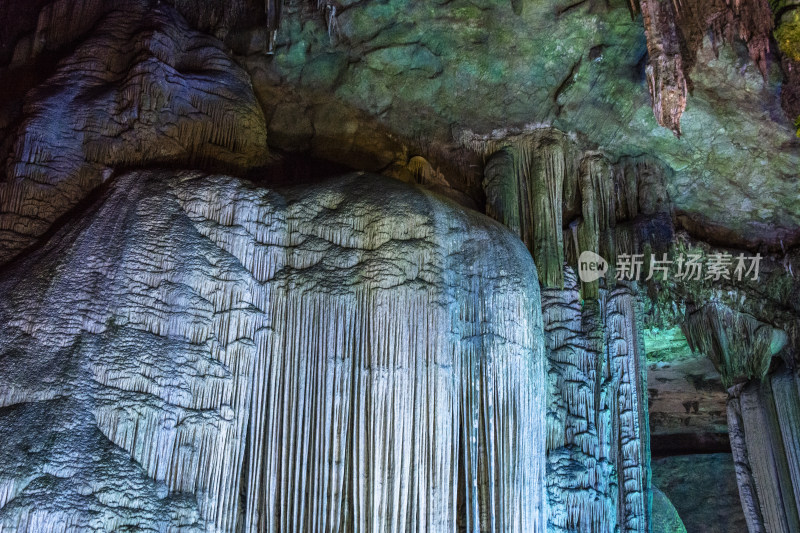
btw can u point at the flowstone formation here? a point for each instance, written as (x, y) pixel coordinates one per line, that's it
(597, 440)
(205, 329)
(197, 353)
(763, 412)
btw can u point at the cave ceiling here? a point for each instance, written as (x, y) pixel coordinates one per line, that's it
(368, 84)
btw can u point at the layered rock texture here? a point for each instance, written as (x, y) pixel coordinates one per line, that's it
(200, 354)
(597, 440)
(144, 88)
(212, 323)
(687, 406)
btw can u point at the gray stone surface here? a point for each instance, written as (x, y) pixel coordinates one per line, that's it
(703, 490)
(142, 88)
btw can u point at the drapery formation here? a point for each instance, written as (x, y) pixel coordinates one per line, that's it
(334, 358)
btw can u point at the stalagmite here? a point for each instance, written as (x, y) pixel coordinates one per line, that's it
(763, 412)
(764, 424)
(199, 354)
(597, 435)
(582, 489)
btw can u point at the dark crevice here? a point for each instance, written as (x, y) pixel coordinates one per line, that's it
(562, 10)
(566, 84)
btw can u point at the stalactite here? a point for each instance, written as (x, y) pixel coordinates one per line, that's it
(740, 346)
(596, 229)
(524, 184)
(273, 9)
(342, 357)
(666, 79)
(675, 31)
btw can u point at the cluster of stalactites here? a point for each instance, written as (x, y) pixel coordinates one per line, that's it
(675, 30)
(525, 184)
(562, 201)
(740, 346)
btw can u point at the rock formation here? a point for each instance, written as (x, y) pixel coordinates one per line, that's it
(597, 424)
(144, 89)
(703, 489)
(336, 358)
(665, 517)
(763, 407)
(597, 437)
(223, 310)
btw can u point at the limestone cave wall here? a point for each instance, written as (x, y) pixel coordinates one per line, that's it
(317, 266)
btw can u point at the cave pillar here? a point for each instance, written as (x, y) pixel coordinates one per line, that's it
(763, 412)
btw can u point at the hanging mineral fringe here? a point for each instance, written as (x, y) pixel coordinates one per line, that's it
(340, 357)
(524, 183)
(740, 346)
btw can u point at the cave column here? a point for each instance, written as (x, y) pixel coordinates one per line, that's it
(763, 412)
